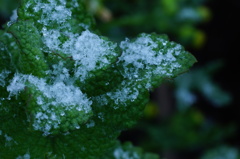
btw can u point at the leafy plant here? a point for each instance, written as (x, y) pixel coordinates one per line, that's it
(200, 80)
(224, 151)
(67, 91)
(177, 18)
(6, 8)
(187, 130)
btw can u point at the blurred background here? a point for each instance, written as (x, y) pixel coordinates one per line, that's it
(196, 115)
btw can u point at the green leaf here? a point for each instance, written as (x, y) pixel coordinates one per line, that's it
(73, 91)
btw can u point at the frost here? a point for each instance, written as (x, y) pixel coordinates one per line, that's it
(75, 3)
(3, 76)
(16, 85)
(91, 53)
(51, 99)
(9, 141)
(148, 58)
(120, 96)
(53, 12)
(14, 15)
(101, 116)
(119, 153)
(91, 124)
(51, 38)
(13, 18)
(71, 83)
(85, 26)
(25, 156)
(124, 94)
(59, 92)
(60, 74)
(8, 138)
(139, 52)
(142, 60)
(88, 50)
(37, 57)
